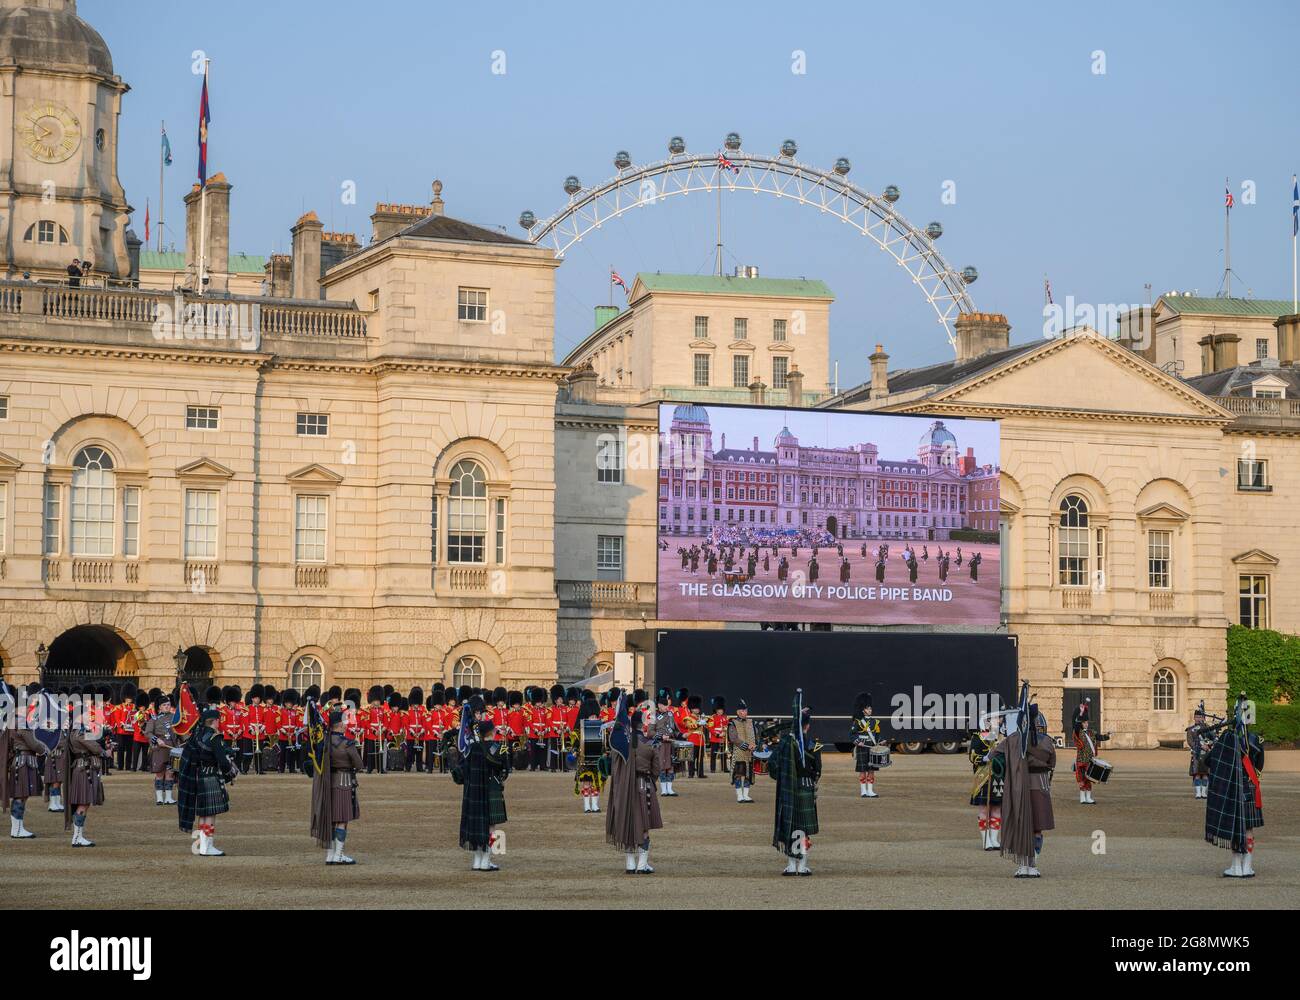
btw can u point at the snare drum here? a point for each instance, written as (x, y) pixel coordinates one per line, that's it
(1099, 770)
(880, 756)
(682, 751)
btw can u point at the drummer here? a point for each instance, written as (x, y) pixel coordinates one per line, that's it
(864, 731)
(1085, 745)
(587, 777)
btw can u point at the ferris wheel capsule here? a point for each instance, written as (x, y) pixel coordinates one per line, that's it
(934, 230)
(572, 185)
(622, 159)
(789, 148)
(677, 145)
(843, 166)
(527, 220)
(892, 194)
(969, 275)
(732, 141)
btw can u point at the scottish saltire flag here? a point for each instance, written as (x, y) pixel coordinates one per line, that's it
(725, 164)
(618, 738)
(205, 116)
(1295, 206)
(465, 738)
(166, 149)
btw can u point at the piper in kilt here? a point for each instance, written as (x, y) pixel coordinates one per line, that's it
(158, 731)
(633, 804)
(334, 790)
(483, 802)
(1235, 802)
(663, 730)
(864, 731)
(207, 766)
(54, 774)
(1200, 740)
(1027, 790)
(796, 767)
(83, 775)
(742, 738)
(20, 770)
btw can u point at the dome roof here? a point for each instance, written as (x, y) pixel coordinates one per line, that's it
(691, 412)
(785, 436)
(37, 37)
(938, 436)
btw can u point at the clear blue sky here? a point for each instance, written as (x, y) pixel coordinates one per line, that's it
(1103, 182)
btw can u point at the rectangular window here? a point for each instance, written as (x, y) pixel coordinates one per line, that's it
(4, 513)
(500, 530)
(310, 528)
(1261, 347)
(45, 231)
(1073, 557)
(701, 369)
(201, 418)
(1252, 474)
(52, 505)
(609, 557)
(741, 327)
(1253, 600)
(472, 305)
(778, 329)
(131, 521)
(4, 407)
(201, 524)
(433, 527)
(1159, 554)
(701, 328)
(313, 424)
(780, 366)
(740, 371)
(609, 460)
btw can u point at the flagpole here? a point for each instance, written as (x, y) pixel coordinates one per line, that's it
(611, 284)
(1227, 242)
(203, 206)
(162, 212)
(1295, 298)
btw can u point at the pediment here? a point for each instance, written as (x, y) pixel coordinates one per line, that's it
(1257, 556)
(1162, 512)
(702, 345)
(1081, 373)
(8, 463)
(204, 468)
(1007, 508)
(316, 475)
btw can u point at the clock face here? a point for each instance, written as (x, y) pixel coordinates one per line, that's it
(49, 132)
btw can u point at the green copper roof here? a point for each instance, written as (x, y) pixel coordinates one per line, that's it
(239, 263)
(1194, 305)
(712, 284)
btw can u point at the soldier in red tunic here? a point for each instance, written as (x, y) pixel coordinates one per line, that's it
(515, 728)
(717, 729)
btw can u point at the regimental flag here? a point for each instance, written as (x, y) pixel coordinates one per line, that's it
(317, 735)
(797, 725)
(465, 737)
(166, 149)
(617, 279)
(1228, 201)
(619, 736)
(1295, 206)
(186, 712)
(205, 117)
(725, 164)
(1022, 712)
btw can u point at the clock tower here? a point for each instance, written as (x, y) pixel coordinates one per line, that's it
(59, 105)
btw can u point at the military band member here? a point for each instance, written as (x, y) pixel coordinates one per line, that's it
(54, 772)
(588, 778)
(207, 766)
(1027, 791)
(662, 731)
(83, 769)
(796, 767)
(556, 731)
(1085, 746)
(742, 736)
(334, 790)
(370, 722)
(121, 721)
(438, 723)
(517, 729)
(864, 731)
(694, 726)
(482, 773)
(633, 805)
(1200, 740)
(139, 741)
(989, 768)
(158, 732)
(1234, 805)
(20, 768)
(253, 737)
(717, 729)
(290, 731)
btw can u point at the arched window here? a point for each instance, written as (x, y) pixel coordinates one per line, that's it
(93, 494)
(1082, 668)
(1164, 688)
(306, 671)
(45, 231)
(468, 670)
(1072, 542)
(467, 513)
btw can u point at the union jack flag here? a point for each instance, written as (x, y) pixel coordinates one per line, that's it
(1227, 196)
(725, 164)
(617, 279)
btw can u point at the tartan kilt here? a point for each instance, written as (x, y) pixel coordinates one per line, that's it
(862, 759)
(87, 788)
(210, 795)
(160, 759)
(805, 808)
(25, 781)
(496, 803)
(54, 766)
(743, 771)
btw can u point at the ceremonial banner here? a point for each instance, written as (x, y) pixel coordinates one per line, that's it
(775, 515)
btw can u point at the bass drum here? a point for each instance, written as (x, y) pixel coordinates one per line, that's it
(395, 759)
(271, 758)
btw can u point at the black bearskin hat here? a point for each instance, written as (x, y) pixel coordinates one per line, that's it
(719, 703)
(863, 700)
(270, 693)
(212, 696)
(682, 695)
(375, 694)
(557, 692)
(589, 709)
(742, 705)
(514, 699)
(128, 691)
(465, 693)
(439, 686)
(154, 695)
(291, 696)
(256, 691)
(416, 695)
(638, 696)
(694, 703)
(437, 698)
(538, 695)
(573, 693)
(474, 705)
(603, 700)
(312, 692)
(231, 694)
(334, 693)
(388, 690)
(664, 697)
(394, 700)
(352, 696)
(499, 695)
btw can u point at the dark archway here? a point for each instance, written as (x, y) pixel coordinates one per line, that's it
(832, 526)
(198, 669)
(90, 654)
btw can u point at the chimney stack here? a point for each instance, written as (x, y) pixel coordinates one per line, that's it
(306, 257)
(279, 276)
(218, 232)
(980, 333)
(1288, 339)
(794, 386)
(583, 384)
(436, 205)
(879, 372)
(1218, 352)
